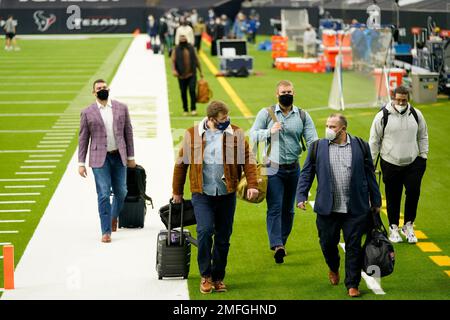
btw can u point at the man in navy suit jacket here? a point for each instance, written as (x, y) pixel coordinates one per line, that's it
(347, 192)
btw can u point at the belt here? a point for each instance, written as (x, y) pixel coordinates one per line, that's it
(287, 166)
(113, 151)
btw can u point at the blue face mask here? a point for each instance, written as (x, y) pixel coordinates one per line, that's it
(222, 125)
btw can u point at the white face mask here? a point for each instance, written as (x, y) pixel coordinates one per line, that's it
(330, 134)
(400, 108)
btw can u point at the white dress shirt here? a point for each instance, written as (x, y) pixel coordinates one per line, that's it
(107, 116)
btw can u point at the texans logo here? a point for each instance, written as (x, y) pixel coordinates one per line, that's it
(42, 21)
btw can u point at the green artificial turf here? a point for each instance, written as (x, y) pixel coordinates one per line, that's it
(251, 271)
(42, 72)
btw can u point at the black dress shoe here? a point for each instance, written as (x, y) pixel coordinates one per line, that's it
(280, 253)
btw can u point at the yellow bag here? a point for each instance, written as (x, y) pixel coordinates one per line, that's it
(242, 187)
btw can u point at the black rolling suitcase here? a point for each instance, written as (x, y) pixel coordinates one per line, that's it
(133, 213)
(134, 208)
(173, 254)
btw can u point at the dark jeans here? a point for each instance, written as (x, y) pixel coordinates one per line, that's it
(353, 227)
(112, 176)
(214, 47)
(394, 178)
(185, 84)
(198, 42)
(281, 188)
(215, 216)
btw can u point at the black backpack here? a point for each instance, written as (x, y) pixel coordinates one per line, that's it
(136, 183)
(379, 255)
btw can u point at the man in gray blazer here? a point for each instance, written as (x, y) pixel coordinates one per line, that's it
(106, 126)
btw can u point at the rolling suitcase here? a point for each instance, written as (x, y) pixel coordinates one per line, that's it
(133, 213)
(173, 253)
(134, 208)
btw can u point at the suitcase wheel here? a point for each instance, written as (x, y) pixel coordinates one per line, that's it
(160, 277)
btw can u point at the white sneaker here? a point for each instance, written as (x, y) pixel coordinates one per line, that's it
(408, 232)
(394, 236)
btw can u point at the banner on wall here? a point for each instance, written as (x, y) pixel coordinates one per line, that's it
(60, 21)
(61, 4)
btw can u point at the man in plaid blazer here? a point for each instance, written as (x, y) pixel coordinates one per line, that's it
(106, 126)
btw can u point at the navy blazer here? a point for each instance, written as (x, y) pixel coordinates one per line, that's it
(364, 191)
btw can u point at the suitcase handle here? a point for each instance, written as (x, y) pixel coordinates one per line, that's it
(169, 226)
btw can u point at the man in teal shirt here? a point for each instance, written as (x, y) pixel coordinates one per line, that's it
(284, 135)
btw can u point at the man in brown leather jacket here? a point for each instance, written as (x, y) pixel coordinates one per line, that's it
(215, 152)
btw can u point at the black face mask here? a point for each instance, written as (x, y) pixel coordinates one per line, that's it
(183, 43)
(103, 94)
(286, 100)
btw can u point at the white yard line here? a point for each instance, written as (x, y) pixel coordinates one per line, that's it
(34, 173)
(371, 282)
(37, 167)
(43, 77)
(46, 156)
(35, 102)
(46, 139)
(30, 151)
(12, 221)
(15, 211)
(25, 187)
(53, 146)
(50, 84)
(41, 161)
(65, 127)
(9, 232)
(24, 179)
(17, 202)
(20, 194)
(31, 114)
(49, 132)
(60, 133)
(34, 92)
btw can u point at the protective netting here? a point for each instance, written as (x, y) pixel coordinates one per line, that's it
(361, 78)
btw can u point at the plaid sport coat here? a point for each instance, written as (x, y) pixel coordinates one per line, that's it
(93, 134)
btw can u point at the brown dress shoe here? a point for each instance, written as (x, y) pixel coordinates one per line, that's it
(219, 286)
(114, 225)
(354, 292)
(334, 277)
(106, 238)
(206, 285)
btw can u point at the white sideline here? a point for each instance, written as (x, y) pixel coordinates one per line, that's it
(65, 258)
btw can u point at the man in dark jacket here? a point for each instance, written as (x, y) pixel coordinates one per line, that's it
(184, 66)
(347, 192)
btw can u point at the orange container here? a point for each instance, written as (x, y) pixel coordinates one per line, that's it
(279, 54)
(329, 38)
(279, 38)
(344, 39)
(395, 80)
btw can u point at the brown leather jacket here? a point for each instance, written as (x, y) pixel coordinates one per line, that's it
(236, 157)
